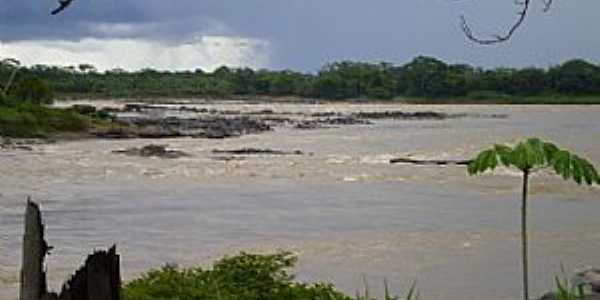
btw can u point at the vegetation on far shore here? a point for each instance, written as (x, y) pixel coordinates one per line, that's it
(423, 80)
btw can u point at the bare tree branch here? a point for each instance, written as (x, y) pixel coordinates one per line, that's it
(547, 5)
(15, 66)
(499, 38)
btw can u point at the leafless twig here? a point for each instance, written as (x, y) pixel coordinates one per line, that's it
(499, 38)
(15, 64)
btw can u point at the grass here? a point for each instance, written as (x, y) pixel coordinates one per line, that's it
(26, 120)
(244, 276)
(566, 291)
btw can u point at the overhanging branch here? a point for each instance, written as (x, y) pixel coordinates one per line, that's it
(499, 38)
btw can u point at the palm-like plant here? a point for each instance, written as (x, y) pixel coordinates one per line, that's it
(530, 156)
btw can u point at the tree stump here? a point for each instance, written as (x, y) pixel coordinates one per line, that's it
(98, 279)
(35, 248)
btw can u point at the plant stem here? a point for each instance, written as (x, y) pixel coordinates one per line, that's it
(524, 236)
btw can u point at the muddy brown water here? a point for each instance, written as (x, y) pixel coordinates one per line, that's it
(343, 210)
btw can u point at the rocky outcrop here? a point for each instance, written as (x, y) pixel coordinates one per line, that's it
(154, 121)
(21, 144)
(344, 120)
(227, 158)
(425, 162)
(589, 277)
(212, 127)
(160, 151)
(255, 151)
(329, 122)
(424, 115)
(421, 115)
(309, 125)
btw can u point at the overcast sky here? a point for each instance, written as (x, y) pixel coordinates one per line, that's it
(296, 34)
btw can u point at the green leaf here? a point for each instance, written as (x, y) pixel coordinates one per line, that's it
(534, 153)
(561, 162)
(491, 160)
(550, 150)
(486, 160)
(588, 172)
(504, 154)
(577, 170)
(519, 157)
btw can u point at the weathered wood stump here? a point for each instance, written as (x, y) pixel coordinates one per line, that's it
(98, 279)
(35, 248)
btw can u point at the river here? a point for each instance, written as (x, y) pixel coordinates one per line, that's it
(340, 207)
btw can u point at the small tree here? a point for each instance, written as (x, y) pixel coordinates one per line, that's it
(530, 156)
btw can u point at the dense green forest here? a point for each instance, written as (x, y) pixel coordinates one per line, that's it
(423, 77)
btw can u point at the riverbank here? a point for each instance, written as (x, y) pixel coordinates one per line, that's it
(482, 98)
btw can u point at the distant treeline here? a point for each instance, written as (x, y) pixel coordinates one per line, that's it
(423, 77)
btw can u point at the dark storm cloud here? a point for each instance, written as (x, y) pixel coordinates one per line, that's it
(30, 19)
(307, 33)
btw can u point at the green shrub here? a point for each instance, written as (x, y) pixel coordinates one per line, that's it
(26, 120)
(245, 276)
(90, 111)
(241, 277)
(31, 89)
(14, 123)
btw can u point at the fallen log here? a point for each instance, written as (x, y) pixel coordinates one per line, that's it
(430, 162)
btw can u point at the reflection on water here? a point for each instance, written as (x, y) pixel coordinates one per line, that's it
(344, 210)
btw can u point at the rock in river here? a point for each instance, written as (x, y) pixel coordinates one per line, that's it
(255, 151)
(212, 127)
(401, 115)
(152, 151)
